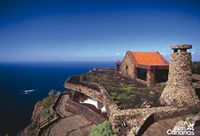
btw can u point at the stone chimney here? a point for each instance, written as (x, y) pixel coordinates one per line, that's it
(178, 90)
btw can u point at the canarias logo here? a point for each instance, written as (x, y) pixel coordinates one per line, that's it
(183, 130)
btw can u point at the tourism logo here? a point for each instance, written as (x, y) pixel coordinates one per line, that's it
(182, 128)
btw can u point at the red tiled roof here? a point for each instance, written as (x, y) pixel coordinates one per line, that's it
(149, 58)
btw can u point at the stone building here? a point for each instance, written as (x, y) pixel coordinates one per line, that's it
(147, 67)
(178, 90)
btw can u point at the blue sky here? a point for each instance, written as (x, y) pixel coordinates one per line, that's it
(79, 30)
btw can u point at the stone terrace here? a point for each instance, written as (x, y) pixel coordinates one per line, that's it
(125, 121)
(125, 93)
(139, 107)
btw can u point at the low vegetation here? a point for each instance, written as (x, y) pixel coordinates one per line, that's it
(42, 116)
(103, 129)
(48, 101)
(125, 93)
(33, 125)
(45, 115)
(31, 130)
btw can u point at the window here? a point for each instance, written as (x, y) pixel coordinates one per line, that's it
(161, 75)
(141, 73)
(126, 68)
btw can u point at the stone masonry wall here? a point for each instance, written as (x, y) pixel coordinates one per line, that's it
(85, 90)
(151, 77)
(127, 67)
(129, 122)
(178, 91)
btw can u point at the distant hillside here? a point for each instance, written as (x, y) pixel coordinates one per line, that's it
(196, 67)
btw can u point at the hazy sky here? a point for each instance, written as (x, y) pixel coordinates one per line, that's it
(79, 30)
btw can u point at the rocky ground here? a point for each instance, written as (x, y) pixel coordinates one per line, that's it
(78, 120)
(74, 119)
(160, 128)
(73, 125)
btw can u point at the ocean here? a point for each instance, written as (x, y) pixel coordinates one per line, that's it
(22, 84)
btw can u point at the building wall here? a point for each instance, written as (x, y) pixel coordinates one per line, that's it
(127, 67)
(150, 77)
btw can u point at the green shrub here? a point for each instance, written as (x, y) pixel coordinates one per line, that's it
(114, 94)
(103, 129)
(130, 89)
(33, 125)
(45, 114)
(48, 101)
(143, 89)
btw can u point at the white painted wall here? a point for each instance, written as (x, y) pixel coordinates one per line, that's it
(94, 102)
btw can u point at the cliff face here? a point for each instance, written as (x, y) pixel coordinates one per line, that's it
(38, 108)
(42, 113)
(31, 129)
(61, 116)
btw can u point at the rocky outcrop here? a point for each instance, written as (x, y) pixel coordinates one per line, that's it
(77, 120)
(38, 108)
(178, 91)
(174, 126)
(71, 118)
